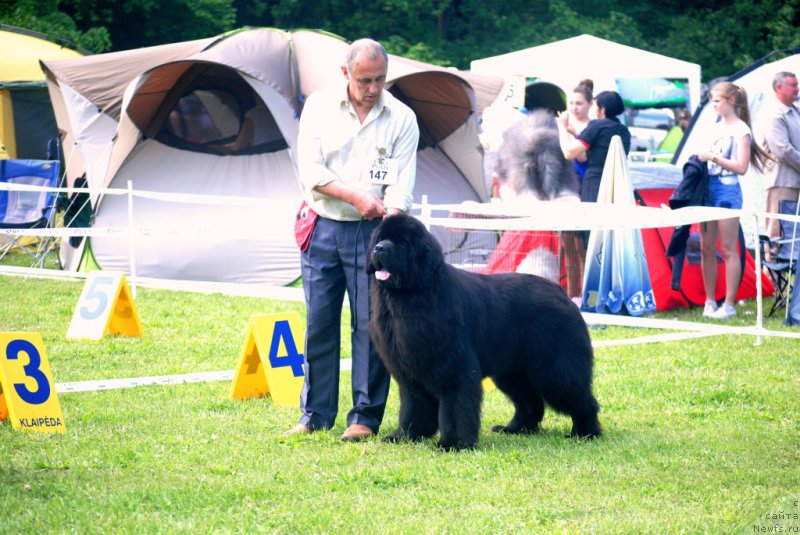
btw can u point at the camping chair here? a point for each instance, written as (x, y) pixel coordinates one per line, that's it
(783, 254)
(26, 209)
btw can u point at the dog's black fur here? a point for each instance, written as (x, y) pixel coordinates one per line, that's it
(440, 330)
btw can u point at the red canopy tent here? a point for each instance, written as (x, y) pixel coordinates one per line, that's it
(691, 292)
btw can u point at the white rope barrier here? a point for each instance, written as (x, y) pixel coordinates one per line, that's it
(709, 329)
(12, 186)
(267, 291)
(114, 384)
(345, 365)
(553, 216)
(495, 215)
(66, 232)
(192, 198)
(656, 216)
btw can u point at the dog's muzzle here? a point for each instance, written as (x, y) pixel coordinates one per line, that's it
(378, 252)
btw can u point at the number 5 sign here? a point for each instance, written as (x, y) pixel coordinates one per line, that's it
(105, 307)
(27, 393)
(272, 360)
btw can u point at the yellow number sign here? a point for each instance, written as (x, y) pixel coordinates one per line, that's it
(271, 361)
(105, 307)
(27, 392)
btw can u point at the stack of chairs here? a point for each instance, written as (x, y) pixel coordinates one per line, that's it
(782, 254)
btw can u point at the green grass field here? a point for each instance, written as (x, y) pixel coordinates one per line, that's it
(701, 436)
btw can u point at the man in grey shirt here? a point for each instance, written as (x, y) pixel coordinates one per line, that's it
(782, 141)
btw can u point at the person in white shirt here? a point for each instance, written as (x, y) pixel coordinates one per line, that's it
(731, 153)
(782, 142)
(356, 147)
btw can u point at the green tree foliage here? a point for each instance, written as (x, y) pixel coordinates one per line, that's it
(725, 37)
(782, 26)
(137, 23)
(44, 16)
(721, 35)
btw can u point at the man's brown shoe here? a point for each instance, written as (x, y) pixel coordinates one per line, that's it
(299, 429)
(356, 433)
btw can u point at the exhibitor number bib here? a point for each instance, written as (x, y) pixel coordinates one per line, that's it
(384, 171)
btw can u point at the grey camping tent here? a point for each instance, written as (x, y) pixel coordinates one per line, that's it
(152, 125)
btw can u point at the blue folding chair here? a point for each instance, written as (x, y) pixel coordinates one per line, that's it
(21, 209)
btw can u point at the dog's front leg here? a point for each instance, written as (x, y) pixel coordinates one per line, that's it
(460, 416)
(417, 418)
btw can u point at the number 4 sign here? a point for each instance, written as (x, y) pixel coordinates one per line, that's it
(271, 360)
(105, 307)
(27, 393)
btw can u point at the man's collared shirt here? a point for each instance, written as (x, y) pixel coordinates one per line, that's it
(782, 139)
(333, 145)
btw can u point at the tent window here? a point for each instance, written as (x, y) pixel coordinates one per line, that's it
(34, 123)
(214, 121)
(204, 117)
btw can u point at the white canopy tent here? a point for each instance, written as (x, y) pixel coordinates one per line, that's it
(564, 63)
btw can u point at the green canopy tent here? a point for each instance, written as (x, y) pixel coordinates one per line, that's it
(652, 92)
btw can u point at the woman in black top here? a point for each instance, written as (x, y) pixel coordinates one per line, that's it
(594, 140)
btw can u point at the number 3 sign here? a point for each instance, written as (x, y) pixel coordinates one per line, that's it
(105, 307)
(27, 394)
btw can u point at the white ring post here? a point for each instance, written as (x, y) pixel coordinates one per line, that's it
(425, 213)
(759, 290)
(131, 238)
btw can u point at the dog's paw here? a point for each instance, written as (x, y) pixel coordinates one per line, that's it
(515, 430)
(457, 446)
(584, 436)
(396, 436)
(586, 430)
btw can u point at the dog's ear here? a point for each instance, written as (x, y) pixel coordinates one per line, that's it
(428, 260)
(369, 267)
(373, 240)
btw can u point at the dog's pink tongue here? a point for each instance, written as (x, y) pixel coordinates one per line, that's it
(382, 275)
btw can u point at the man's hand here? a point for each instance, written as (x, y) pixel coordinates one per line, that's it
(367, 203)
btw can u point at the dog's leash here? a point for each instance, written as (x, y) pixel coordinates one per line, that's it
(354, 312)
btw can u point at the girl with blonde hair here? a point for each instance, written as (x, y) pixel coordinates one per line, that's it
(731, 153)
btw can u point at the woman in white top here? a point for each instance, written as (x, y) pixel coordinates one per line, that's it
(731, 153)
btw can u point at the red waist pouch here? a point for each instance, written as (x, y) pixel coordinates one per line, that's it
(304, 225)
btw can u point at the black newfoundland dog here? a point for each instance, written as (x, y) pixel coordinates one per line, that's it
(440, 330)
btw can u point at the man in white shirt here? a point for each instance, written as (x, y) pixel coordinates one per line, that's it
(357, 161)
(782, 140)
